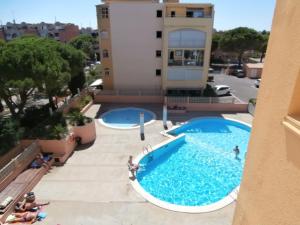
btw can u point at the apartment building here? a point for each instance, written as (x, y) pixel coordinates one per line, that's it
(148, 45)
(59, 31)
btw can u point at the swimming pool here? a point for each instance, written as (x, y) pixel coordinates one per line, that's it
(126, 118)
(196, 171)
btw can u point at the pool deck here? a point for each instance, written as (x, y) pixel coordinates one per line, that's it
(93, 186)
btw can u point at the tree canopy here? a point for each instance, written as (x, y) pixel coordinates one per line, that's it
(86, 44)
(31, 63)
(240, 40)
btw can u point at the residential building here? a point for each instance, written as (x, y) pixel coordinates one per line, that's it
(269, 192)
(58, 31)
(150, 45)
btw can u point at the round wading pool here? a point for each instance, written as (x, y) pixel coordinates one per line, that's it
(126, 118)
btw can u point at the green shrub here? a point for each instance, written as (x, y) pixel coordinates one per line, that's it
(76, 118)
(209, 91)
(252, 101)
(84, 101)
(9, 134)
(55, 127)
(34, 115)
(57, 131)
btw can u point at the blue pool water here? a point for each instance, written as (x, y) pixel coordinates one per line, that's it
(126, 117)
(199, 168)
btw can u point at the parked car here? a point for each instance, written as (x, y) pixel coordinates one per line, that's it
(210, 78)
(257, 83)
(240, 74)
(222, 90)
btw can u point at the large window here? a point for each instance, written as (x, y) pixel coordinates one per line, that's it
(195, 13)
(185, 57)
(187, 38)
(105, 53)
(193, 57)
(104, 12)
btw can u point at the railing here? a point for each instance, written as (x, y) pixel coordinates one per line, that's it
(210, 100)
(209, 16)
(30, 151)
(131, 92)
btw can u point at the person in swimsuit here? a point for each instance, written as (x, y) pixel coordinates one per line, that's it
(23, 217)
(132, 167)
(29, 203)
(236, 150)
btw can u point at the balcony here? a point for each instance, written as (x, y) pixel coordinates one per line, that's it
(181, 20)
(292, 123)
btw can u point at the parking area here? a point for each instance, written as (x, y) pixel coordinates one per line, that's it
(242, 88)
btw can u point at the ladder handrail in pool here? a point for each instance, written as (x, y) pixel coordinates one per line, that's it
(147, 148)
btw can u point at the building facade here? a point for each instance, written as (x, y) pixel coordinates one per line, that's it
(269, 192)
(155, 46)
(59, 31)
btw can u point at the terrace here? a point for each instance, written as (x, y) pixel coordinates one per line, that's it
(93, 186)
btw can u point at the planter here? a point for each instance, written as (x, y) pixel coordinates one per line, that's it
(85, 108)
(61, 149)
(87, 132)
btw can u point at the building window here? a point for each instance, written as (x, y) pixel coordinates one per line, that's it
(103, 34)
(186, 57)
(195, 13)
(158, 53)
(193, 57)
(105, 53)
(158, 73)
(173, 13)
(106, 72)
(158, 13)
(158, 34)
(104, 12)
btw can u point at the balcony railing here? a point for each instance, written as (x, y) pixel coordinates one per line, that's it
(191, 17)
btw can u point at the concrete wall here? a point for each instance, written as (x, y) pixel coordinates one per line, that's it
(133, 37)
(128, 99)
(269, 192)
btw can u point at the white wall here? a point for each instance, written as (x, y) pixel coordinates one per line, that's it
(134, 43)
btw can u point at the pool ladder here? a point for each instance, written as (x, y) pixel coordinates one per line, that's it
(147, 148)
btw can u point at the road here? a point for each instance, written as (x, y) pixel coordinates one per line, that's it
(242, 88)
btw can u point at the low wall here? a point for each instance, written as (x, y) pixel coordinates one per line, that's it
(251, 109)
(128, 99)
(62, 148)
(86, 108)
(6, 158)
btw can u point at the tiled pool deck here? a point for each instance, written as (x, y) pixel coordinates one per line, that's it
(93, 186)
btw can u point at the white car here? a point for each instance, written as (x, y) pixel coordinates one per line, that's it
(222, 90)
(257, 83)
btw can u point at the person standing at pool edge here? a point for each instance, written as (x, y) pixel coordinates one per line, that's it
(236, 151)
(132, 167)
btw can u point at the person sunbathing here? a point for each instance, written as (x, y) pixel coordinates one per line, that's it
(23, 217)
(29, 203)
(40, 161)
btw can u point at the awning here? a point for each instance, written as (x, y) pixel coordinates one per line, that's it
(96, 83)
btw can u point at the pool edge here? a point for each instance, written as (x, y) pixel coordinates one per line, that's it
(227, 200)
